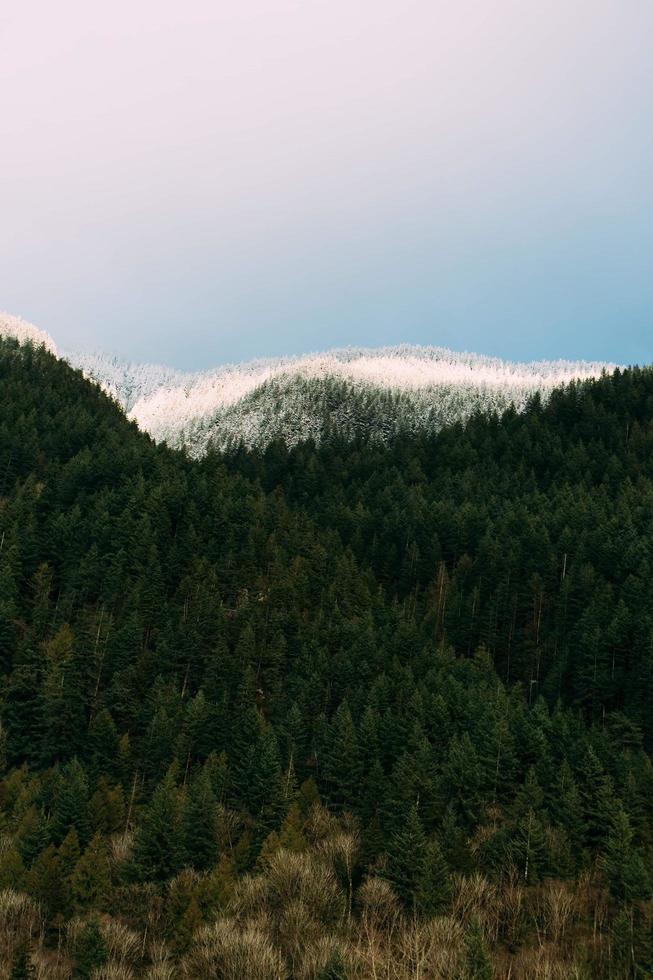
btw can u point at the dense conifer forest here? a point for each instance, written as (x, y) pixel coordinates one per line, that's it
(330, 712)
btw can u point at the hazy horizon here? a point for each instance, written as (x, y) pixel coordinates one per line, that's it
(215, 183)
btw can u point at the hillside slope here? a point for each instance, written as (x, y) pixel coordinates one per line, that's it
(377, 393)
(347, 707)
(351, 393)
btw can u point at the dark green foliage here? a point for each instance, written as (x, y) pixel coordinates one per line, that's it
(450, 637)
(21, 967)
(416, 867)
(90, 951)
(199, 824)
(625, 869)
(70, 803)
(158, 845)
(433, 888)
(477, 961)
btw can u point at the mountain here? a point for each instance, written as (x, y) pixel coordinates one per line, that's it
(376, 393)
(351, 393)
(328, 710)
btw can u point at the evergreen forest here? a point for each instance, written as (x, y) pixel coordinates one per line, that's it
(345, 711)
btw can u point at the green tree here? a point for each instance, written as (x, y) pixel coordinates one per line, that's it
(91, 951)
(341, 764)
(624, 867)
(478, 965)
(406, 858)
(70, 804)
(91, 878)
(433, 886)
(199, 824)
(158, 845)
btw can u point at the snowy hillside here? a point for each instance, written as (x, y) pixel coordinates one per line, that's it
(15, 326)
(352, 392)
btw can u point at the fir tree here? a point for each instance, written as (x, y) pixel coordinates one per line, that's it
(90, 951)
(625, 870)
(477, 961)
(70, 804)
(199, 824)
(157, 847)
(91, 878)
(406, 858)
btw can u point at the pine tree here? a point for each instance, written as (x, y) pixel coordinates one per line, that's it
(102, 745)
(463, 778)
(12, 869)
(90, 951)
(566, 808)
(433, 887)
(199, 824)
(342, 761)
(33, 835)
(478, 965)
(91, 879)
(245, 741)
(187, 926)
(70, 804)
(69, 853)
(107, 807)
(624, 868)
(63, 710)
(158, 846)
(597, 793)
(267, 786)
(45, 882)
(406, 855)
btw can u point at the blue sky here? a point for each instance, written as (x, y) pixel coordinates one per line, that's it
(195, 183)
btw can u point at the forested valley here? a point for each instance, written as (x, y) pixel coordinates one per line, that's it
(330, 712)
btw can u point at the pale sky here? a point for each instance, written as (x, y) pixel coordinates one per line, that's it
(194, 182)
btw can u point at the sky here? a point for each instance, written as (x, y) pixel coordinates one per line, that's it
(213, 180)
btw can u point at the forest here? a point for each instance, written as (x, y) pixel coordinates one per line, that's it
(345, 711)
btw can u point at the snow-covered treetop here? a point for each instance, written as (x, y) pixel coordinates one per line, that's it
(379, 391)
(24, 332)
(239, 401)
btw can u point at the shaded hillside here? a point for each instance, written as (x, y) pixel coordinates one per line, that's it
(326, 711)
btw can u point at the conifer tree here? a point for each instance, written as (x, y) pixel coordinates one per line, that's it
(406, 856)
(158, 845)
(267, 789)
(90, 951)
(199, 824)
(342, 762)
(102, 744)
(91, 879)
(477, 961)
(45, 882)
(70, 804)
(433, 886)
(625, 871)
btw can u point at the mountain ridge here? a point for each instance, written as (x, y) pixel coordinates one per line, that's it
(355, 391)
